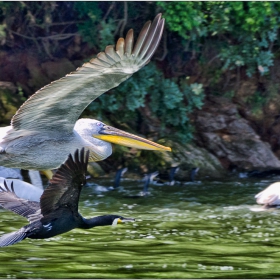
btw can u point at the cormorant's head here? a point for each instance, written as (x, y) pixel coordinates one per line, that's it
(120, 220)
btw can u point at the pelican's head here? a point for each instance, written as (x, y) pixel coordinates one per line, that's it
(113, 135)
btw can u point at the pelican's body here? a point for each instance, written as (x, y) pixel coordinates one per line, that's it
(269, 197)
(14, 173)
(53, 145)
(46, 128)
(23, 189)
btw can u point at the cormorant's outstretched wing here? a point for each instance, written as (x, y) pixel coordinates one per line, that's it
(12, 237)
(58, 105)
(65, 186)
(9, 200)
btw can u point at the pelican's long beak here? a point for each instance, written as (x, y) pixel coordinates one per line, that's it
(120, 137)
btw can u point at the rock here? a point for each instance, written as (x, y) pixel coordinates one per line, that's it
(37, 78)
(189, 156)
(10, 101)
(231, 139)
(62, 67)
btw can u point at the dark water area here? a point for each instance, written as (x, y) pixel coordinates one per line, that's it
(193, 230)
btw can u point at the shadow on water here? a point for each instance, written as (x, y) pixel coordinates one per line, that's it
(194, 230)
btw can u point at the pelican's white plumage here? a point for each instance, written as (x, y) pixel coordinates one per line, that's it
(13, 173)
(46, 128)
(23, 189)
(269, 196)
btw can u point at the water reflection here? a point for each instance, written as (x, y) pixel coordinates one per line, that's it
(195, 230)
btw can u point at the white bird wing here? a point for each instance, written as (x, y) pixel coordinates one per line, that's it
(10, 201)
(270, 195)
(57, 106)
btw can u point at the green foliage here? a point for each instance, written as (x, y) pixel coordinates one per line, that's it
(248, 29)
(256, 102)
(90, 13)
(107, 33)
(183, 17)
(169, 101)
(241, 35)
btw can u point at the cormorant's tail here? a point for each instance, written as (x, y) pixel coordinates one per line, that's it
(12, 238)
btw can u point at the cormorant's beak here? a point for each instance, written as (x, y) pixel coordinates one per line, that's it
(120, 137)
(125, 220)
(122, 220)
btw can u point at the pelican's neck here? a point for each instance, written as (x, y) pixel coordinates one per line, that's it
(99, 149)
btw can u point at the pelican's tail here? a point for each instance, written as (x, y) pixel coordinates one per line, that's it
(12, 238)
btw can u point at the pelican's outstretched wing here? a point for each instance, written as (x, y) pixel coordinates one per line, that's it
(58, 105)
(65, 186)
(9, 200)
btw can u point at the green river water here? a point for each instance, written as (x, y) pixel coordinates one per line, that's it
(205, 229)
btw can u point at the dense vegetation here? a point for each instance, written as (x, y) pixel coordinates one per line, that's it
(207, 47)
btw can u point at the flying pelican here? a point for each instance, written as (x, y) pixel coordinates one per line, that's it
(57, 211)
(46, 129)
(14, 173)
(23, 189)
(269, 197)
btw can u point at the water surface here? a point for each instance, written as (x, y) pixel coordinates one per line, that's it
(194, 230)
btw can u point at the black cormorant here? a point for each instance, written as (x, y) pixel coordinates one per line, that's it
(148, 178)
(120, 172)
(194, 172)
(57, 211)
(172, 172)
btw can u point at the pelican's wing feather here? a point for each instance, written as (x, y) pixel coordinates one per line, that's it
(9, 200)
(58, 105)
(65, 186)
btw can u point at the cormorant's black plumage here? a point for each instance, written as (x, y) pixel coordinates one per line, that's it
(57, 211)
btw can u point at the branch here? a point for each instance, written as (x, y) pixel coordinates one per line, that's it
(122, 22)
(51, 37)
(124, 18)
(46, 48)
(55, 23)
(108, 11)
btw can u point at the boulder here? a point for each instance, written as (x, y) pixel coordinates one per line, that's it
(10, 101)
(231, 139)
(189, 156)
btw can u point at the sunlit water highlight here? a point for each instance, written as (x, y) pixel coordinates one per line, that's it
(196, 230)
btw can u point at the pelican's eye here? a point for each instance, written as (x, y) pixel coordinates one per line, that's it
(99, 124)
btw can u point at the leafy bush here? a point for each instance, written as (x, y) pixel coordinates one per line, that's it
(248, 29)
(169, 100)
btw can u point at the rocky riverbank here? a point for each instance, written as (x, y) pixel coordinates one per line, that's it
(226, 137)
